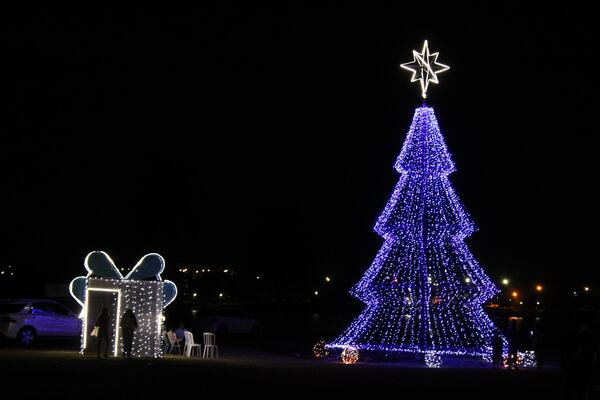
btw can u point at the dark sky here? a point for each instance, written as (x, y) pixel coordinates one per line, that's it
(264, 138)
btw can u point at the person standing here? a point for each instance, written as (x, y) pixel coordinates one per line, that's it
(497, 347)
(580, 357)
(180, 332)
(103, 324)
(512, 338)
(128, 327)
(538, 345)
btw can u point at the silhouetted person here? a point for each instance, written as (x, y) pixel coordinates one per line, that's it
(512, 338)
(539, 344)
(180, 332)
(497, 347)
(128, 326)
(580, 362)
(103, 324)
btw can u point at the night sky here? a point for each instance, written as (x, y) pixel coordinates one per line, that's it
(263, 139)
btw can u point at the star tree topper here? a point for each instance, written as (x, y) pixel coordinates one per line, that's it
(425, 68)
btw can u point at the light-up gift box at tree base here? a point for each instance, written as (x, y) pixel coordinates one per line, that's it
(142, 290)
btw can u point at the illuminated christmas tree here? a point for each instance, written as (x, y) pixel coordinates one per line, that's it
(424, 291)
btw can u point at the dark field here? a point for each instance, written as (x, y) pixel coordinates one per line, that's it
(278, 363)
(50, 371)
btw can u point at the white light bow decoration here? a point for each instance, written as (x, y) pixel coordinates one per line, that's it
(424, 68)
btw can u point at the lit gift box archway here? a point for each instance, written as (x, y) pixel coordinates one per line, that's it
(142, 290)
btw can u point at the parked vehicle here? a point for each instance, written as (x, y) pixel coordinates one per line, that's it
(28, 319)
(229, 321)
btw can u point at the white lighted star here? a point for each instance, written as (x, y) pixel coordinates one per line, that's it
(425, 68)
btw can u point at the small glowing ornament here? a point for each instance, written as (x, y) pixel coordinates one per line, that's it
(525, 359)
(424, 68)
(350, 355)
(320, 350)
(433, 360)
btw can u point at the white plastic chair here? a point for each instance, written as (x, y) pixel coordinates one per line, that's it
(211, 350)
(174, 343)
(190, 346)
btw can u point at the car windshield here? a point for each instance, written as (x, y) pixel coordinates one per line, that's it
(11, 308)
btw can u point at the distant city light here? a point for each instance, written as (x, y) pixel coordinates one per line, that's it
(316, 292)
(220, 294)
(467, 280)
(197, 271)
(225, 271)
(515, 293)
(539, 288)
(521, 303)
(586, 288)
(537, 302)
(1, 272)
(327, 279)
(258, 277)
(195, 294)
(505, 281)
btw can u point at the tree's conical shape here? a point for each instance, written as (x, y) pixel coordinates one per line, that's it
(424, 290)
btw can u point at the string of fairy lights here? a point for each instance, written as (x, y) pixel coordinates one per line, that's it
(145, 299)
(424, 290)
(433, 359)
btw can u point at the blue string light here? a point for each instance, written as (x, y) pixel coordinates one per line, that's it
(424, 291)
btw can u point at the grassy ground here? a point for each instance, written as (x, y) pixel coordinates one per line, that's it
(53, 373)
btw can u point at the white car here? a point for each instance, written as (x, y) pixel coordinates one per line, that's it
(28, 319)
